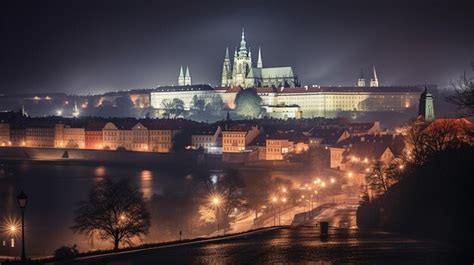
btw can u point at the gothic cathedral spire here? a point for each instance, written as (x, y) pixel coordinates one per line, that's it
(374, 82)
(187, 77)
(259, 62)
(226, 77)
(181, 77)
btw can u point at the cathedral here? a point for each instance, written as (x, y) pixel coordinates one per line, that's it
(241, 71)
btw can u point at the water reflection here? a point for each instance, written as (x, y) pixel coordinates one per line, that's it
(146, 181)
(99, 173)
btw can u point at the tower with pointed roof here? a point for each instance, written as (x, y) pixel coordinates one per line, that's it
(187, 77)
(181, 77)
(259, 61)
(426, 107)
(361, 80)
(226, 78)
(374, 82)
(242, 63)
(75, 110)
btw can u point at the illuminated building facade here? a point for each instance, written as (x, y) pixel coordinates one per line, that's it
(5, 138)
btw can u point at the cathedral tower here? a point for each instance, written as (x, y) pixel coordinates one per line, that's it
(259, 62)
(242, 63)
(426, 108)
(226, 79)
(181, 77)
(374, 82)
(361, 81)
(187, 77)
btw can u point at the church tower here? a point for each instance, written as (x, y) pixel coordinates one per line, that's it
(242, 63)
(374, 82)
(181, 77)
(259, 62)
(361, 81)
(187, 77)
(226, 79)
(426, 108)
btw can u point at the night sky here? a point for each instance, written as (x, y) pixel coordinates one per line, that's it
(96, 46)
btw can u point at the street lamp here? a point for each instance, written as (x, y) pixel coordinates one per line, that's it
(216, 202)
(22, 200)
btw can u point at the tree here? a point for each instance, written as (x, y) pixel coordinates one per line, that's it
(173, 109)
(114, 211)
(377, 179)
(463, 96)
(248, 103)
(231, 190)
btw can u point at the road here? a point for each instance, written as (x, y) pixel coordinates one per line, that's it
(298, 245)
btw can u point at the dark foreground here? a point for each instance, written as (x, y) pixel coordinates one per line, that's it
(297, 245)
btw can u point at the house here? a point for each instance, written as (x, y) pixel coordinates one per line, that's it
(93, 134)
(208, 138)
(5, 139)
(326, 137)
(278, 146)
(67, 136)
(238, 137)
(358, 129)
(361, 151)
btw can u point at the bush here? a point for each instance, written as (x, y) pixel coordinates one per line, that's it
(66, 252)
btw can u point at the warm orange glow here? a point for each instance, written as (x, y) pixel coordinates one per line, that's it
(283, 200)
(349, 174)
(274, 199)
(333, 180)
(401, 167)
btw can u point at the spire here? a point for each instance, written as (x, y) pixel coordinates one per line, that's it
(181, 77)
(187, 77)
(259, 62)
(361, 81)
(226, 53)
(75, 110)
(243, 45)
(374, 82)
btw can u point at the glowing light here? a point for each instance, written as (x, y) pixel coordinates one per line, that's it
(401, 166)
(323, 184)
(366, 160)
(283, 200)
(284, 190)
(59, 112)
(367, 170)
(274, 199)
(333, 180)
(349, 174)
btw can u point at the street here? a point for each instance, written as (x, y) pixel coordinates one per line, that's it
(297, 245)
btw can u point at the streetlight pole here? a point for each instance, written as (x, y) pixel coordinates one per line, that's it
(22, 199)
(217, 216)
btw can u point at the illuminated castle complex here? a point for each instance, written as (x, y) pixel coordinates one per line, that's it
(242, 73)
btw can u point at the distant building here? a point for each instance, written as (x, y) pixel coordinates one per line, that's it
(66, 136)
(5, 138)
(184, 79)
(209, 139)
(283, 112)
(93, 135)
(425, 107)
(237, 138)
(242, 73)
(163, 95)
(40, 135)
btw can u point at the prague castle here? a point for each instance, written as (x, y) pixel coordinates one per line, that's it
(242, 72)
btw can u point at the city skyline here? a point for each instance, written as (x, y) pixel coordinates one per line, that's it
(105, 47)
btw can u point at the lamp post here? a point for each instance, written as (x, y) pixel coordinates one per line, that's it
(216, 201)
(22, 200)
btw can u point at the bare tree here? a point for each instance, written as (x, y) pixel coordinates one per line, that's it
(173, 108)
(114, 211)
(377, 179)
(464, 95)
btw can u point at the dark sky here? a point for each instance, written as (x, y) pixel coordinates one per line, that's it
(81, 46)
